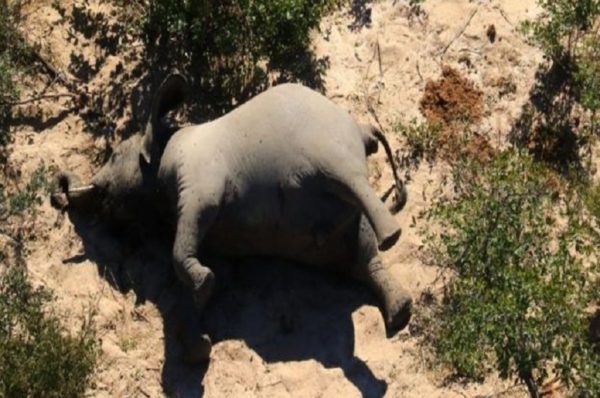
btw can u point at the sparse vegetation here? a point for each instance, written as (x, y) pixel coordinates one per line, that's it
(415, 6)
(592, 199)
(127, 343)
(31, 195)
(38, 358)
(9, 16)
(421, 141)
(561, 124)
(513, 242)
(428, 141)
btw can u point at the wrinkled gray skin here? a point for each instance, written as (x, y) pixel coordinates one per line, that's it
(283, 175)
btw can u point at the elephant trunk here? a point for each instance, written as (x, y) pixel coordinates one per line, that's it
(71, 193)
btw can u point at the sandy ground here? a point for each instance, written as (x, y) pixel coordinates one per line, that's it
(333, 343)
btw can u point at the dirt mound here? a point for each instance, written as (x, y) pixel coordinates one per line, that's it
(453, 105)
(452, 99)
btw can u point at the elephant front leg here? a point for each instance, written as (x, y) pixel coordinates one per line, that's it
(191, 228)
(199, 279)
(395, 300)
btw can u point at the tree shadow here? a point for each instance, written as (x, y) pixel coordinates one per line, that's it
(360, 11)
(220, 77)
(38, 123)
(280, 310)
(547, 127)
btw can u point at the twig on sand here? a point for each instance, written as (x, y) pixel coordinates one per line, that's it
(419, 72)
(378, 49)
(459, 34)
(44, 97)
(503, 13)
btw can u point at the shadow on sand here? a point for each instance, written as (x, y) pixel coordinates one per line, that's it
(281, 311)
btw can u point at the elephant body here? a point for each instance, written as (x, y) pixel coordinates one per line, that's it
(284, 175)
(269, 167)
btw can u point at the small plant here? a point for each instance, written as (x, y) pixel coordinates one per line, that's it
(415, 6)
(519, 289)
(421, 141)
(592, 199)
(37, 357)
(29, 197)
(127, 344)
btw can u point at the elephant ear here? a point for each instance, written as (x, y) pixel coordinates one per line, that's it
(170, 95)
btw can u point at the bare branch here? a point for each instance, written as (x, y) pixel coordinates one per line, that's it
(460, 33)
(44, 97)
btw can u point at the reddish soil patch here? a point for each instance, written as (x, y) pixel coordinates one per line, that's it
(477, 147)
(452, 99)
(453, 103)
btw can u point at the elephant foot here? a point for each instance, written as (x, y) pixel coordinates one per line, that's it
(204, 284)
(390, 240)
(398, 312)
(395, 300)
(198, 351)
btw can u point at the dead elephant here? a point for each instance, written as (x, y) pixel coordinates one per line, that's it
(283, 175)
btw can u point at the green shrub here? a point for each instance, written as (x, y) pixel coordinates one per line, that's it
(567, 31)
(30, 196)
(518, 297)
(9, 13)
(230, 46)
(563, 123)
(562, 26)
(421, 141)
(592, 199)
(37, 357)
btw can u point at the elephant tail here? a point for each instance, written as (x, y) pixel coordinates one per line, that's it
(371, 138)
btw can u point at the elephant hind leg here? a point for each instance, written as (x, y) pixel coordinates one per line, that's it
(354, 188)
(395, 300)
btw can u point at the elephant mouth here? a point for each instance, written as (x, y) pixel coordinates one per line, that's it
(71, 193)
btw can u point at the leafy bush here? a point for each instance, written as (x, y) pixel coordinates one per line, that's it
(37, 357)
(564, 122)
(562, 25)
(230, 46)
(9, 13)
(520, 289)
(29, 196)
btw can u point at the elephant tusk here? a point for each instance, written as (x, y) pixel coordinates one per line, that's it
(80, 190)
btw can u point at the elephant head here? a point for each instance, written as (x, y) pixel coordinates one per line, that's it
(126, 182)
